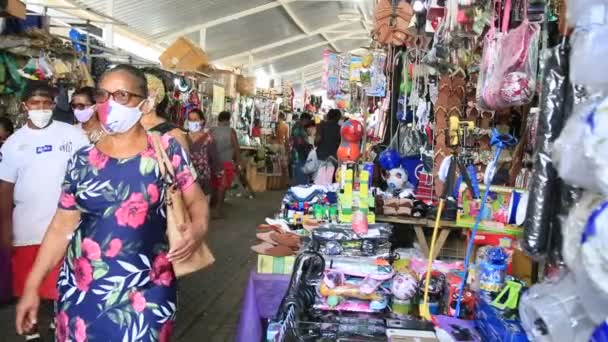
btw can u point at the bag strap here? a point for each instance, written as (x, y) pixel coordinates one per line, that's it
(164, 164)
(506, 21)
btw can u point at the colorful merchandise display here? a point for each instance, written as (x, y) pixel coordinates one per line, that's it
(495, 141)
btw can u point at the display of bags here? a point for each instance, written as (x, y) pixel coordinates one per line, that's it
(408, 141)
(177, 214)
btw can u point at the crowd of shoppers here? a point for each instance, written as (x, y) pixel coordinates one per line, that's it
(80, 207)
(80, 204)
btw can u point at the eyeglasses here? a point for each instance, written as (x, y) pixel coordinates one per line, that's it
(121, 96)
(80, 106)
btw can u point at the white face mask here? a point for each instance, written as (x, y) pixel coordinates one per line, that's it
(84, 115)
(194, 126)
(116, 118)
(40, 117)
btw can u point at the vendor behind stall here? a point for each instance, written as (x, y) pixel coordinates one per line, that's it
(327, 137)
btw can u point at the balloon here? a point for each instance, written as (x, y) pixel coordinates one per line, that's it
(352, 131)
(389, 159)
(348, 152)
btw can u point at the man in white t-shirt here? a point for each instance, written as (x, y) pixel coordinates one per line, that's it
(32, 168)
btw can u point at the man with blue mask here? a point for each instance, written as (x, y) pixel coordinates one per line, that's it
(32, 167)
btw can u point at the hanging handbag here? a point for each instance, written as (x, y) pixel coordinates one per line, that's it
(177, 214)
(513, 81)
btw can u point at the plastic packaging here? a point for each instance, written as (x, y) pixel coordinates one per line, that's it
(572, 164)
(588, 58)
(552, 311)
(541, 208)
(596, 145)
(574, 226)
(592, 272)
(509, 63)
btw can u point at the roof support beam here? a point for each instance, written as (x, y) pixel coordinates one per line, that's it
(301, 25)
(296, 51)
(219, 21)
(304, 67)
(283, 42)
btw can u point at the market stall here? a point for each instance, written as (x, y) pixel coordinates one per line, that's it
(479, 129)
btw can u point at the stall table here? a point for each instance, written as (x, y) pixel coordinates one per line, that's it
(419, 225)
(262, 299)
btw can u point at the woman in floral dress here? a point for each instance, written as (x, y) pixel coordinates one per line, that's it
(117, 282)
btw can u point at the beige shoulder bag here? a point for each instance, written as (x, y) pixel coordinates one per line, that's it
(177, 214)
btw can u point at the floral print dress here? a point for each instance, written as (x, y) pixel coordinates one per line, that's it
(116, 283)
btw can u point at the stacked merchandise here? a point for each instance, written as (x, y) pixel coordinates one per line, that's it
(464, 112)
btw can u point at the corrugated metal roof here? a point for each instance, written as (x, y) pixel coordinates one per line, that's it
(298, 60)
(260, 27)
(249, 32)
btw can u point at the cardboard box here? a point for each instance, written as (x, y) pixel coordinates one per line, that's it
(275, 265)
(14, 8)
(184, 55)
(395, 335)
(246, 85)
(227, 79)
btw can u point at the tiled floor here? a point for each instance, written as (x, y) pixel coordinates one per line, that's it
(209, 302)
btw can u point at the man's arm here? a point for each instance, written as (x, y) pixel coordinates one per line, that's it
(6, 214)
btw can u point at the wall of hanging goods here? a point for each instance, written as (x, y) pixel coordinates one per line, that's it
(492, 158)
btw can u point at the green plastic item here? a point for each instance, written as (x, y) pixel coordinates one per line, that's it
(508, 298)
(333, 301)
(318, 211)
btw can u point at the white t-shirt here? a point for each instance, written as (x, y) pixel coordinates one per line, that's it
(35, 161)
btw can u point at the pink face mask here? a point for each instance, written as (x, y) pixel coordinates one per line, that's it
(84, 115)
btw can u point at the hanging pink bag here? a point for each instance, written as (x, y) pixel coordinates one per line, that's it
(512, 82)
(489, 58)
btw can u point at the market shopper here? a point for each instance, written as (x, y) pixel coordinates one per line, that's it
(300, 148)
(203, 151)
(282, 131)
(32, 166)
(154, 112)
(229, 156)
(256, 131)
(6, 129)
(83, 105)
(327, 139)
(117, 283)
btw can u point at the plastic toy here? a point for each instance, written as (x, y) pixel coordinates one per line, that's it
(389, 159)
(348, 152)
(404, 286)
(493, 270)
(397, 179)
(351, 131)
(508, 298)
(501, 142)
